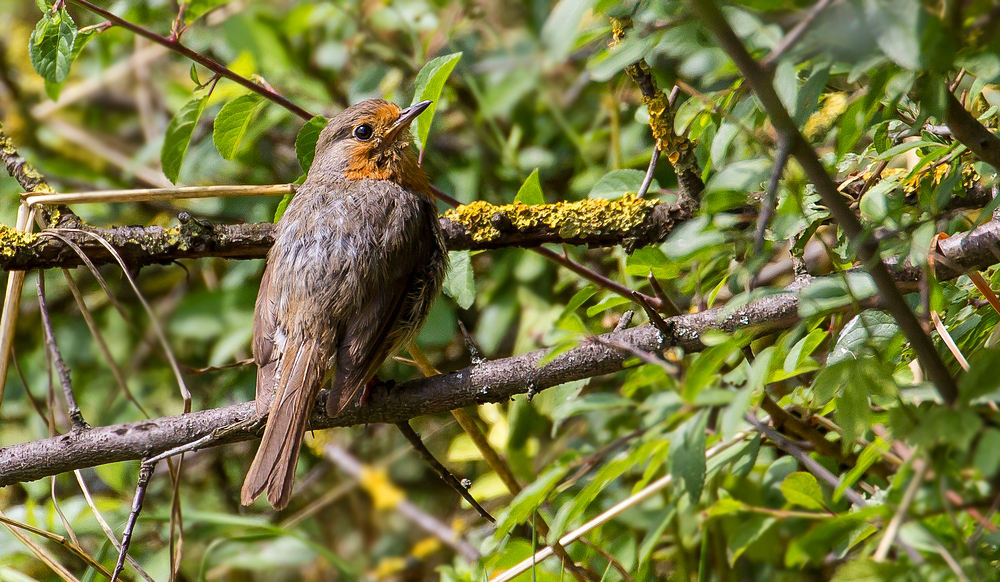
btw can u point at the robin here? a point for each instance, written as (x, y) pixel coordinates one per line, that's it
(357, 261)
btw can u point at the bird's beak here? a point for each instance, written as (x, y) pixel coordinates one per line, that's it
(406, 117)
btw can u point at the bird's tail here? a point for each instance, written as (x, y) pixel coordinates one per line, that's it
(298, 382)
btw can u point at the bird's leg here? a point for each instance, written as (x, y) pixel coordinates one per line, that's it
(371, 384)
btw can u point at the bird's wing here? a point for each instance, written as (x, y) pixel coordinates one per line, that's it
(265, 322)
(369, 338)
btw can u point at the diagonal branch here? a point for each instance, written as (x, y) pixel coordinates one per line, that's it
(199, 58)
(867, 246)
(973, 134)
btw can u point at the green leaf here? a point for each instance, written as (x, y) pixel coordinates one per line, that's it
(531, 191)
(726, 506)
(609, 302)
(798, 361)
(82, 38)
(459, 283)
(194, 9)
(232, 122)
(608, 62)
(865, 334)
(867, 570)
(616, 183)
(868, 457)
(175, 143)
(987, 456)
(749, 531)
(283, 206)
(560, 30)
(801, 488)
(983, 376)
(529, 499)
(305, 142)
(829, 293)
(50, 47)
(430, 82)
(687, 450)
(648, 260)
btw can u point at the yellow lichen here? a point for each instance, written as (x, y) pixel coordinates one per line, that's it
(572, 219)
(11, 240)
(834, 105)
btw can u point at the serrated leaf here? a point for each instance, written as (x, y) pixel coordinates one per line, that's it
(305, 141)
(459, 282)
(50, 47)
(81, 40)
(179, 130)
(531, 191)
(616, 183)
(232, 122)
(801, 488)
(871, 330)
(429, 84)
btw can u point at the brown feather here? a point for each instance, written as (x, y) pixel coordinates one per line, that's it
(273, 467)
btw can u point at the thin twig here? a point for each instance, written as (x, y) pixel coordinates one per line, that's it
(593, 276)
(202, 60)
(920, 471)
(611, 513)
(867, 247)
(808, 462)
(442, 472)
(12, 301)
(145, 472)
(75, 416)
(651, 313)
(648, 179)
(769, 203)
(796, 34)
(353, 467)
(498, 465)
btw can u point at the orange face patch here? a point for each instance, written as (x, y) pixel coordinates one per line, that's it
(387, 155)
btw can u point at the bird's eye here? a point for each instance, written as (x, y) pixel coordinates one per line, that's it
(363, 132)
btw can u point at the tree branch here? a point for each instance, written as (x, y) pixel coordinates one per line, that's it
(630, 221)
(491, 381)
(867, 246)
(973, 134)
(201, 59)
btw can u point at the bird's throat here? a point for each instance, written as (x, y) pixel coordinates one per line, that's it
(398, 167)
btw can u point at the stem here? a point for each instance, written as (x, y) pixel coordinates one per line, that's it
(868, 248)
(199, 58)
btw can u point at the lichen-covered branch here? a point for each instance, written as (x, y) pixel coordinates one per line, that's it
(630, 221)
(492, 381)
(679, 149)
(26, 175)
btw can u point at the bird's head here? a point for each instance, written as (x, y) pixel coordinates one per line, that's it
(371, 140)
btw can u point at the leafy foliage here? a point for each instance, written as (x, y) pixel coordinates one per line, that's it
(532, 105)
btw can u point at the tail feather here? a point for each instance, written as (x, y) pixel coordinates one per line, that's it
(273, 469)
